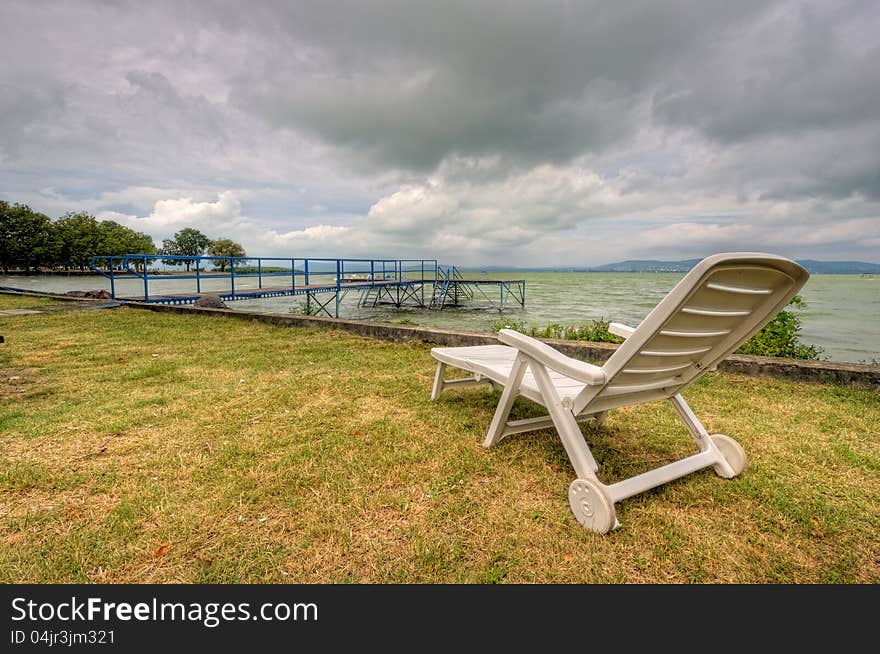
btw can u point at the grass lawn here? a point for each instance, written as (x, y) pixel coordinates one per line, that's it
(26, 302)
(152, 447)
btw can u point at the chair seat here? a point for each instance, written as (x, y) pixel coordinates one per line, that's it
(495, 363)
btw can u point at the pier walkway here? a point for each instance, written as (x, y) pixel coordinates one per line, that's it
(323, 283)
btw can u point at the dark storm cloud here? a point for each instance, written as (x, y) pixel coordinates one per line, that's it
(409, 83)
(800, 68)
(475, 130)
(799, 86)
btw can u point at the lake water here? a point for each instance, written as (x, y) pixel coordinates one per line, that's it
(842, 314)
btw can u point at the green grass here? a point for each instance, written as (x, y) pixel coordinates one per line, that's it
(9, 301)
(151, 447)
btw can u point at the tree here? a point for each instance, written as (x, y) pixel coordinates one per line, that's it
(168, 247)
(118, 240)
(188, 242)
(224, 247)
(27, 238)
(80, 239)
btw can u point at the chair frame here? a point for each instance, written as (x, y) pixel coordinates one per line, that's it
(592, 501)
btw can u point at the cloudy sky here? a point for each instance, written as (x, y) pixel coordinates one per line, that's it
(519, 133)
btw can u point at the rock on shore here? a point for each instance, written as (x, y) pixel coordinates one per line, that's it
(210, 302)
(95, 295)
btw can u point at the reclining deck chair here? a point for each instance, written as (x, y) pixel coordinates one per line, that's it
(721, 303)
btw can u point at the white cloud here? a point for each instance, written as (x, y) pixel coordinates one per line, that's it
(171, 215)
(223, 218)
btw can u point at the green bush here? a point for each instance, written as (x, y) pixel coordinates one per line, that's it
(303, 308)
(778, 338)
(595, 331)
(781, 336)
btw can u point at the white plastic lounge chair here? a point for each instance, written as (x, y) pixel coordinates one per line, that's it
(717, 306)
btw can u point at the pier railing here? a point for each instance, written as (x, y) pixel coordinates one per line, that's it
(322, 282)
(310, 273)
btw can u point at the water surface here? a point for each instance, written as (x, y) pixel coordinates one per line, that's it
(842, 314)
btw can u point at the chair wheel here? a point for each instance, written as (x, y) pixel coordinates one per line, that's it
(732, 451)
(591, 506)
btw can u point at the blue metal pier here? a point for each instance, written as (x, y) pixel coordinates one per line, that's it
(323, 282)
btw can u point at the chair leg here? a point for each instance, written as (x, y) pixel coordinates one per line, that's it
(731, 456)
(566, 425)
(589, 499)
(505, 404)
(438, 381)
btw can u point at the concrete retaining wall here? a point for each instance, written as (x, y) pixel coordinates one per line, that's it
(845, 374)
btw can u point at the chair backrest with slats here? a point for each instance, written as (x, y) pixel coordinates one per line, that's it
(721, 303)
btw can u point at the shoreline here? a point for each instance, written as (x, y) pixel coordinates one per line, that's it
(834, 372)
(91, 273)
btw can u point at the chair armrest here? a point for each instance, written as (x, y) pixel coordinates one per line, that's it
(583, 372)
(619, 329)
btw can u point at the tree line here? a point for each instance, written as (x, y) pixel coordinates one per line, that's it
(31, 241)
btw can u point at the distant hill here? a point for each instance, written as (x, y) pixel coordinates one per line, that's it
(651, 265)
(840, 267)
(647, 265)
(812, 266)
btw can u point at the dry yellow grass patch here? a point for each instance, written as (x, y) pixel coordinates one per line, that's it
(144, 447)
